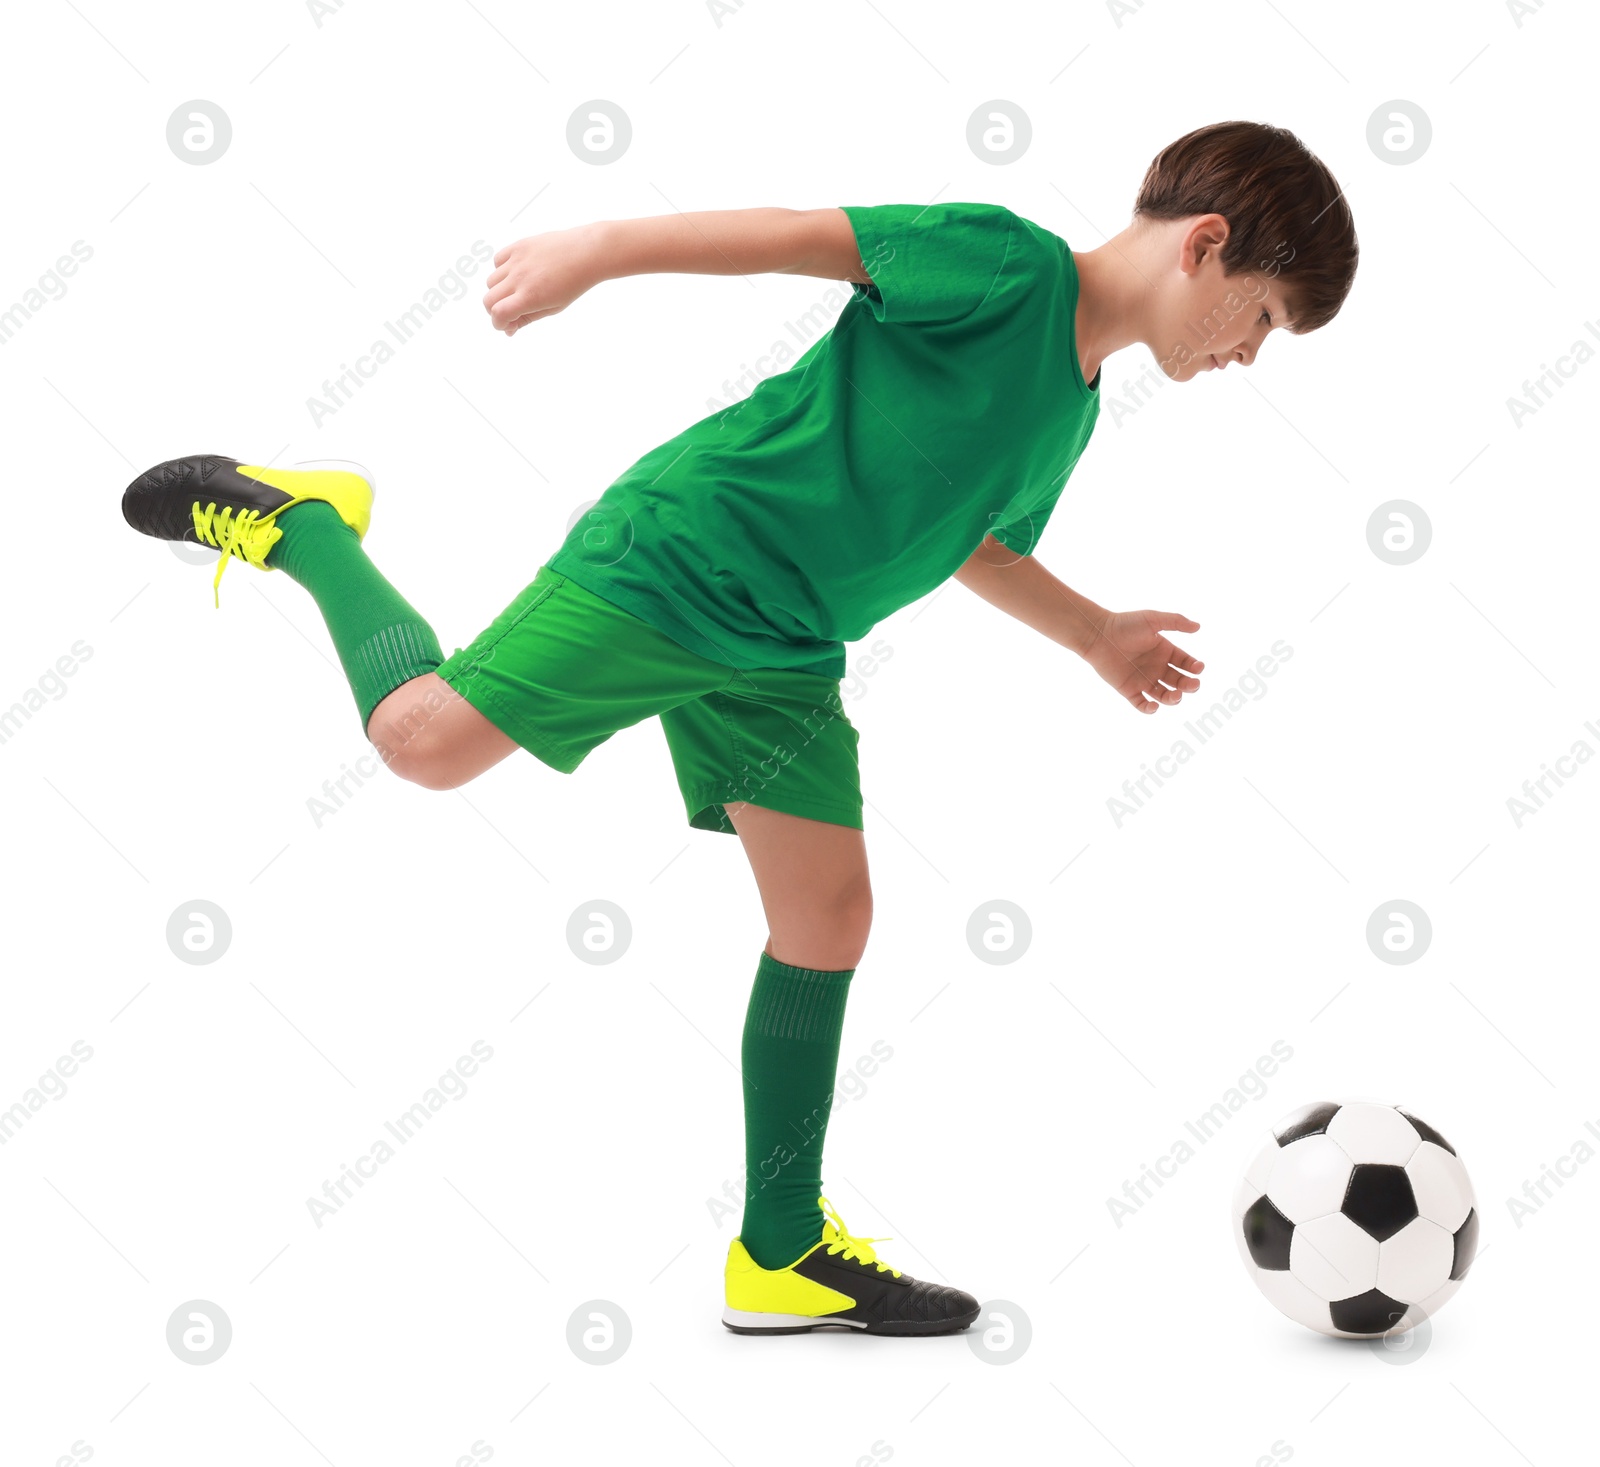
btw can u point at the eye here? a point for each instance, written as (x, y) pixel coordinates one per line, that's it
(1266, 318)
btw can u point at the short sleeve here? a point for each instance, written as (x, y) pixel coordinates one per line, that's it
(929, 263)
(1022, 530)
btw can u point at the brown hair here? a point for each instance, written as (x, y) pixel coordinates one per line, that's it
(1287, 216)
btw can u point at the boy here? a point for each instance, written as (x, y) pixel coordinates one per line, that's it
(713, 585)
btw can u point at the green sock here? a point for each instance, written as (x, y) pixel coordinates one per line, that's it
(381, 640)
(790, 1055)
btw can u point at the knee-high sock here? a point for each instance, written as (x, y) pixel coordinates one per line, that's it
(790, 1055)
(381, 640)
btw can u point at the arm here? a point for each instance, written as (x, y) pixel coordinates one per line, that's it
(1125, 647)
(1021, 587)
(545, 273)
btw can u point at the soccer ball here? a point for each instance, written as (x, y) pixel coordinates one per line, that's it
(1356, 1218)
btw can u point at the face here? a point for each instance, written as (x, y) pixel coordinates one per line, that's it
(1209, 321)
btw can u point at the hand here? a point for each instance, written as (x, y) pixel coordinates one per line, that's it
(1131, 654)
(540, 276)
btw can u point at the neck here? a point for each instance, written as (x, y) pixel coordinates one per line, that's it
(1116, 296)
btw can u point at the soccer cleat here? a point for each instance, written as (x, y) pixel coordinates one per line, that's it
(209, 500)
(840, 1283)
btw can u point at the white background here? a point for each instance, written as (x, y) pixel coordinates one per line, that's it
(368, 153)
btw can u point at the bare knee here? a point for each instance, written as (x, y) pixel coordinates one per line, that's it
(427, 733)
(412, 739)
(855, 910)
(428, 768)
(855, 926)
(828, 933)
(814, 885)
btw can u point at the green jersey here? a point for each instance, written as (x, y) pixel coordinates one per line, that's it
(947, 402)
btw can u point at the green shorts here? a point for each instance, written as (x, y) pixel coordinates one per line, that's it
(560, 670)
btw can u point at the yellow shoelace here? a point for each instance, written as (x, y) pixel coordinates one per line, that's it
(854, 1247)
(248, 534)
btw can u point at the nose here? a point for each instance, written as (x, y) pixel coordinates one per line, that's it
(1248, 349)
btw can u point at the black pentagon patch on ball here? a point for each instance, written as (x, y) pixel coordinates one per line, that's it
(1267, 1234)
(1309, 1120)
(1372, 1313)
(1466, 1245)
(1379, 1199)
(1427, 1132)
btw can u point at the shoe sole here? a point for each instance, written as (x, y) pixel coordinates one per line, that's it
(746, 1322)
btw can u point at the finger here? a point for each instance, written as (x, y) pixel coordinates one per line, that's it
(1179, 681)
(502, 292)
(1163, 694)
(522, 321)
(497, 276)
(503, 254)
(1174, 621)
(1182, 659)
(508, 309)
(1141, 703)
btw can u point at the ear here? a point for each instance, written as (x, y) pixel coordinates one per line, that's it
(1202, 238)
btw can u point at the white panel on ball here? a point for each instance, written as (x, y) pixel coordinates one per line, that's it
(1309, 1178)
(1374, 1134)
(1333, 1257)
(1442, 1187)
(1413, 1263)
(1294, 1299)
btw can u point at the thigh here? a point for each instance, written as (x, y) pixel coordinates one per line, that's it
(814, 884)
(561, 669)
(772, 738)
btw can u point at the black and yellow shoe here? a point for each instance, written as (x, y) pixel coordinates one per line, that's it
(209, 500)
(840, 1283)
